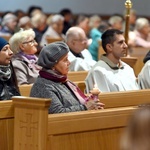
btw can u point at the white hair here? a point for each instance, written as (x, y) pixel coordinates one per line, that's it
(93, 20)
(140, 23)
(56, 18)
(23, 21)
(20, 37)
(112, 20)
(8, 18)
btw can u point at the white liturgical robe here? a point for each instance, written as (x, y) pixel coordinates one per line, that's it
(109, 78)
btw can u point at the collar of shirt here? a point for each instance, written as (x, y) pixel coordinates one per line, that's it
(111, 64)
(77, 54)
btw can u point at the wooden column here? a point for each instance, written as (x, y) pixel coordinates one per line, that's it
(30, 130)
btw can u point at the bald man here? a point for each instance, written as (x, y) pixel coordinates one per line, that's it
(79, 56)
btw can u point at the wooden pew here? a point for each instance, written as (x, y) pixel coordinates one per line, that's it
(7, 122)
(81, 85)
(6, 37)
(69, 125)
(125, 98)
(51, 40)
(25, 89)
(131, 61)
(36, 130)
(76, 76)
(6, 125)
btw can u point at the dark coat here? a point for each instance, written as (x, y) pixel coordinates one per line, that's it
(7, 90)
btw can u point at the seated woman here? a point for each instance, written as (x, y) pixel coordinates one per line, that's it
(141, 35)
(8, 84)
(52, 82)
(24, 61)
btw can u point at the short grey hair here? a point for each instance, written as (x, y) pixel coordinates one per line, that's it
(94, 19)
(20, 37)
(112, 20)
(56, 18)
(8, 18)
(140, 23)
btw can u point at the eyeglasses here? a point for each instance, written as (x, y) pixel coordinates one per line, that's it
(30, 42)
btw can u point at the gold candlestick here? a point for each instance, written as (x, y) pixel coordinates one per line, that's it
(128, 6)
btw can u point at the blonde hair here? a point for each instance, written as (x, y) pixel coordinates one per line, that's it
(20, 37)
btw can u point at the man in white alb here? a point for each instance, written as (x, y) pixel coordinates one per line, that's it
(110, 73)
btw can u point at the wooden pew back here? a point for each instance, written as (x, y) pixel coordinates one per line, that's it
(76, 76)
(70, 130)
(98, 130)
(6, 125)
(6, 37)
(125, 98)
(51, 40)
(36, 130)
(25, 89)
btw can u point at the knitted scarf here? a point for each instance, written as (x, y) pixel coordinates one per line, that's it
(57, 77)
(5, 73)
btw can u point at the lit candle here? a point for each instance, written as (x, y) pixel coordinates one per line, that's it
(95, 92)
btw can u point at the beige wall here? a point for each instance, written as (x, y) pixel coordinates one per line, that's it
(77, 6)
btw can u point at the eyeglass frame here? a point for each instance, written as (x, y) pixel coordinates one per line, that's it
(31, 41)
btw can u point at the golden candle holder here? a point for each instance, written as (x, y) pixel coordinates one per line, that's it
(128, 6)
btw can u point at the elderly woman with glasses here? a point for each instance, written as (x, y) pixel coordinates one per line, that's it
(24, 61)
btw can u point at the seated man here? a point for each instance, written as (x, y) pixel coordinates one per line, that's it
(79, 56)
(144, 75)
(110, 73)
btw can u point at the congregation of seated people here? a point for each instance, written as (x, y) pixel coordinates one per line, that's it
(30, 59)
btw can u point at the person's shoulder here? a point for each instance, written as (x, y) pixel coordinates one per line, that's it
(127, 67)
(147, 63)
(146, 66)
(17, 62)
(99, 66)
(125, 64)
(46, 82)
